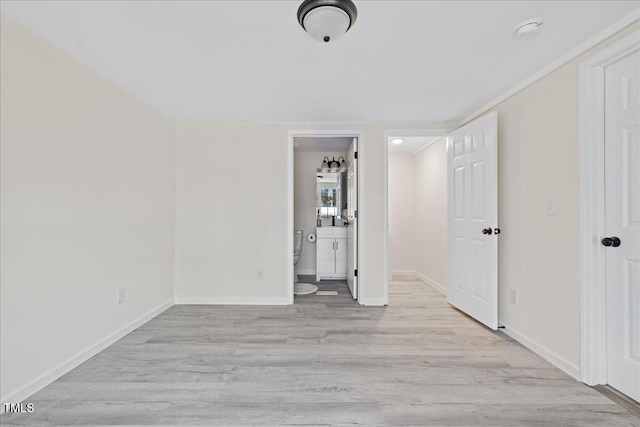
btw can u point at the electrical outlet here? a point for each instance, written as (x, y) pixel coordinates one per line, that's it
(513, 296)
(260, 273)
(120, 296)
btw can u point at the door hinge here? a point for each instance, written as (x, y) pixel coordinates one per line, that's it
(355, 214)
(355, 272)
(355, 155)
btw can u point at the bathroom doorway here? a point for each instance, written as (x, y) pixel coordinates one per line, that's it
(323, 183)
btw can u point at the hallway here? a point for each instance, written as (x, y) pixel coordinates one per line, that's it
(324, 361)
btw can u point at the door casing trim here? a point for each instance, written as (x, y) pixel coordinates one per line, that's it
(593, 356)
(290, 201)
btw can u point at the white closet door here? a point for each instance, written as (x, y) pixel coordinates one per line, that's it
(622, 224)
(472, 246)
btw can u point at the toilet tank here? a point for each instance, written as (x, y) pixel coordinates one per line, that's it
(297, 241)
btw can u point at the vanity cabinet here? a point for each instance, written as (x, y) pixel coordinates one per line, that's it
(331, 253)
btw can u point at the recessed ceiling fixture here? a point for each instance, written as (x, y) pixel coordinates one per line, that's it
(527, 28)
(326, 20)
(397, 141)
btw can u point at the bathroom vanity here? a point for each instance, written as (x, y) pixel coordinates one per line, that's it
(331, 253)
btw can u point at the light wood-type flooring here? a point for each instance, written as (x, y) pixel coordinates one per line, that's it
(322, 361)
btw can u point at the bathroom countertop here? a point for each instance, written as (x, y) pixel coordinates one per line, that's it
(335, 232)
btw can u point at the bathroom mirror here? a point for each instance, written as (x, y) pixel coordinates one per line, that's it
(330, 194)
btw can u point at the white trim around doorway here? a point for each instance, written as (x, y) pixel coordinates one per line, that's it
(290, 202)
(593, 357)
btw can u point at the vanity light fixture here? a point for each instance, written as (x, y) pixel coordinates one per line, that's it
(527, 28)
(397, 141)
(325, 165)
(326, 20)
(343, 164)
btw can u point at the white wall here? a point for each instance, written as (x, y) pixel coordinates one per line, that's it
(232, 209)
(87, 184)
(305, 165)
(431, 212)
(539, 254)
(402, 213)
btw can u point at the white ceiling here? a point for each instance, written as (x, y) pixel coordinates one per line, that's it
(412, 144)
(251, 61)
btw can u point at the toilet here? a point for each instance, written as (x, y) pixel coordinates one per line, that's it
(300, 288)
(297, 248)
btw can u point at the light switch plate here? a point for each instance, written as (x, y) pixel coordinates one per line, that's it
(514, 296)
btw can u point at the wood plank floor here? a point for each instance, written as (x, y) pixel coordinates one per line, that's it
(323, 361)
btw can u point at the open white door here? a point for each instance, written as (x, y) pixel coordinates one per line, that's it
(472, 220)
(352, 228)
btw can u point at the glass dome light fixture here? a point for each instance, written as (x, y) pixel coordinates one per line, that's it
(327, 20)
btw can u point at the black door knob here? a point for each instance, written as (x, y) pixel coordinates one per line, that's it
(611, 241)
(487, 231)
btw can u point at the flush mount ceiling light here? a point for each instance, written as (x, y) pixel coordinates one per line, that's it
(397, 141)
(326, 20)
(527, 28)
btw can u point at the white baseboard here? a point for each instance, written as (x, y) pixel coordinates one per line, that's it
(376, 302)
(403, 272)
(232, 301)
(47, 378)
(548, 355)
(432, 282)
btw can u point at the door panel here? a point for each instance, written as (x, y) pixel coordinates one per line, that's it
(341, 257)
(458, 195)
(631, 283)
(631, 174)
(325, 257)
(622, 220)
(477, 141)
(472, 256)
(479, 260)
(477, 190)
